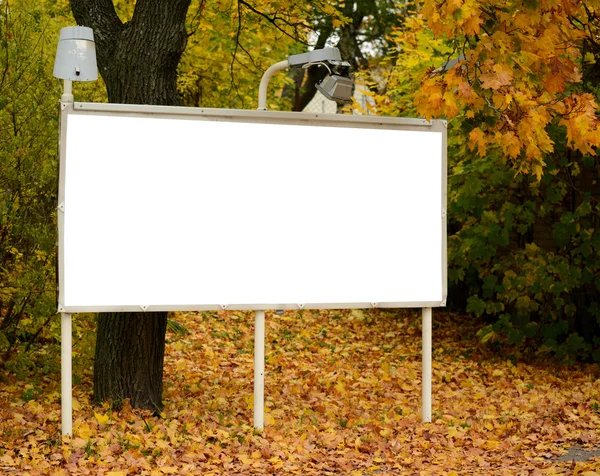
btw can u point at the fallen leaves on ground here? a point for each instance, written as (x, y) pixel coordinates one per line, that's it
(343, 393)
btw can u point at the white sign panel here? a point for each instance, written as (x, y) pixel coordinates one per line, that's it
(185, 212)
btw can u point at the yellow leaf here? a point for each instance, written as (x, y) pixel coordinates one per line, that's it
(102, 419)
(589, 58)
(116, 473)
(178, 345)
(471, 25)
(495, 80)
(169, 470)
(269, 420)
(249, 399)
(78, 443)
(452, 431)
(477, 139)
(7, 460)
(84, 431)
(492, 444)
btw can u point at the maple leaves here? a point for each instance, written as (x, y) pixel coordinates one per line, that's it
(342, 397)
(518, 65)
(582, 123)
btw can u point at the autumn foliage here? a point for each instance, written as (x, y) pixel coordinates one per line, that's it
(519, 82)
(518, 64)
(343, 392)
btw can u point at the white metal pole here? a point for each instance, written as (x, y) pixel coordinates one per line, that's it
(426, 381)
(264, 83)
(66, 371)
(67, 91)
(259, 369)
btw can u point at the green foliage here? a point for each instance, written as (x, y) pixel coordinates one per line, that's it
(527, 252)
(29, 97)
(523, 252)
(28, 170)
(177, 328)
(232, 44)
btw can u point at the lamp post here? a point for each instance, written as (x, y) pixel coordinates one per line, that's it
(75, 58)
(336, 86)
(75, 61)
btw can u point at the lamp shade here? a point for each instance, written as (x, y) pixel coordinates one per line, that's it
(76, 55)
(336, 88)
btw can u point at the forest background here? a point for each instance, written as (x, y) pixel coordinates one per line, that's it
(519, 85)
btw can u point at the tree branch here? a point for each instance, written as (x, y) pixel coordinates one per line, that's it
(273, 20)
(100, 16)
(233, 56)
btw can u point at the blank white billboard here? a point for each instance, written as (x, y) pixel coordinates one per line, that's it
(170, 212)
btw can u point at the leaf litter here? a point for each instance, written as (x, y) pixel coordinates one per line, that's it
(342, 396)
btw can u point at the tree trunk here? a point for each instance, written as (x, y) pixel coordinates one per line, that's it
(130, 352)
(138, 61)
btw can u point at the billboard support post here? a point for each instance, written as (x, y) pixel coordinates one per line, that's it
(66, 367)
(259, 369)
(426, 362)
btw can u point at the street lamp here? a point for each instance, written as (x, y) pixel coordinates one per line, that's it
(336, 86)
(75, 58)
(75, 61)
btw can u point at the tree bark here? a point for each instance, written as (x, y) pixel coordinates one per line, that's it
(138, 61)
(130, 352)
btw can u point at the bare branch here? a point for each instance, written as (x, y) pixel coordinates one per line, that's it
(233, 56)
(197, 15)
(273, 20)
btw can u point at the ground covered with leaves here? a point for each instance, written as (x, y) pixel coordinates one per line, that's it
(343, 393)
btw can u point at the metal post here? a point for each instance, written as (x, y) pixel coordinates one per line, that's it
(66, 372)
(426, 380)
(259, 369)
(67, 91)
(264, 83)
